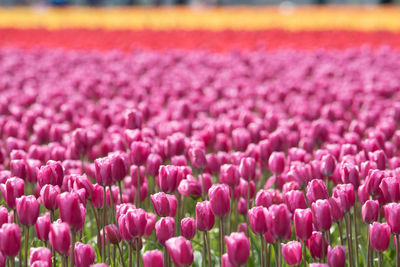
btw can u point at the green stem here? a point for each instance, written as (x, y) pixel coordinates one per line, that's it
(349, 238)
(221, 238)
(207, 242)
(26, 245)
(397, 250)
(137, 195)
(268, 256)
(368, 250)
(356, 232)
(137, 252)
(97, 226)
(121, 255)
(73, 235)
(323, 246)
(339, 224)
(120, 191)
(379, 259)
(130, 255)
(64, 261)
(114, 220)
(12, 262)
(262, 251)
(166, 257)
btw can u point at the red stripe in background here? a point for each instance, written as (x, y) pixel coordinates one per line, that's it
(195, 39)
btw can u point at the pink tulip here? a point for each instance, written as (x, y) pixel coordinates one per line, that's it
(204, 216)
(118, 167)
(42, 227)
(48, 195)
(336, 209)
(60, 237)
(279, 221)
(322, 215)
(52, 173)
(229, 174)
(379, 236)
(219, 195)
(337, 256)
(258, 217)
(112, 234)
(153, 258)
(328, 165)
(303, 223)
(369, 211)
(40, 254)
(19, 168)
(373, 180)
(103, 171)
(10, 239)
(28, 209)
(226, 262)
(264, 198)
(70, 211)
(84, 255)
(150, 223)
(197, 156)
(165, 229)
(379, 158)
(276, 162)
(292, 252)
(139, 152)
(164, 205)
(314, 244)
(345, 193)
(133, 119)
(316, 189)
(350, 174)
(238, 248)
(247, 168)
(169, 178)
(133, 223)
(190, 187)
(390, 188)
(153, 164)
(392, 215)
(188, 228)
(295, 199)
(11, 190)
(180, 251)
(2, 260)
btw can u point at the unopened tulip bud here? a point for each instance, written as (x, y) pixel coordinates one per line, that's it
(292, 252)
(153, 258)
(52, 173)
(276, 162)
(390, 188)
(258, 217)
(316, 189)
(303, 223)
(314, 244)
(84, 255)
(165, 229)
(337, 256)
(10, 239)
(180, 250)
(369, 211)
(279, 221)
(219, 195)
(379, 236)
(28, 209)
(204, 216)
(392, 215)
(42, 255)
(229, 174)
(247, 168)
(188, 228)
(11, 190)
(42, 227)
(238, 248)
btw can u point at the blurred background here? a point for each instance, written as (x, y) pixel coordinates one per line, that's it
(190, 2)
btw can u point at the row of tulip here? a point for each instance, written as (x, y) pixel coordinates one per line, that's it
(240, 159)
(218, 41)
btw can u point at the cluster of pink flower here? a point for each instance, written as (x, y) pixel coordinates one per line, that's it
(108, 147)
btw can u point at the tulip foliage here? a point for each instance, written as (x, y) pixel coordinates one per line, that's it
(184, 158)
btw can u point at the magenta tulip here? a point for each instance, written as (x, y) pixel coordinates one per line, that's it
(169, 178)
(153, 258)
(103, 171)
(322, 215)
(112, 234)
(139, 152)
(258, 217)
(369, 211)
(247, 168)
(165, 229)
(11, 190)
(276, 162)
(48, 195)
(153, 164)
(60, 237)
(303, 223)
(10, 239)
(229, 174)
(197, 156)
(264, 198)
(238, 248)
(292, 252)
(188, 228)
(84, 255)
(328, 165)
(70, 211)
(52, 173)
(295, 199)
(204, 216)
(279, 221)
(164, 205)
(180, 251)
(337, 256)
(390, 188)
(28, 209)
(314, 244)
(392, 215)
(226, 262)
(40, 254)
(219, 195)
(345, 193)
(42, 227)
(316, 189)
(379, 236)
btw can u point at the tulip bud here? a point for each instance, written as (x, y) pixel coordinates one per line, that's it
(369, 211)
(112, 234)
(165, 229)
(292, 252)
(11, 190)
(139, 152)
(379, 236)
(28, 209)
(84, 255)
(188, 228)
(40, 254)
(328, 165)
(52, 173)
(3, 215)
(337, 256)
(10, 240)
(48, 195)
(303, 223)
(238, 248)
(103, 171)
(153, 258)
(60, 237)
(345, 193)
(229, 174)
(372, 182)
(42, 227)
(244, 190)
(180, 250)
(153, 164)
(350, 174)
(264, 198)
(390, 188)
(164, 205)
(70, 211)
(279, 221)
(392, 215)
(295, 200)
(118, 167)
(316, 189)
(190, 187)
(247, 168)
(19, 168)
(98, 196)
(219, 199)
(258, 217)
(276, 162)
(314, 244)
(150, 223)
(322, 215)
(336, 209)
(379, 158)
(197, 156)
(169, 178)
(204, 216)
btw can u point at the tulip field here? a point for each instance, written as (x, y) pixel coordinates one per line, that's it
(200, 137)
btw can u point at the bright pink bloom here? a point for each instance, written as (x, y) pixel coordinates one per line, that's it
(314, 244)
(52, 173)
(204, 216)
(48, 195)
(28, 209)
(42, 227)
(392, 215)
(247, 168)
(219, 195)
(238, 248)
(112, 234)
(337, 256)
(40, 254)
(379, 236)
(322, 215)
(279, 221)
(229, 174)
(165, 228)
(188, 228)
(276, 162)
(303, 223)
(70, 211)
(10, 239)
(292, 252)
(316, 189)
(258, 217)
(84, 255)
(153, 258)
(369, 211)
(180, 250)
(11, 190)
(164, 205)
(60, 237)
(390, 188)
